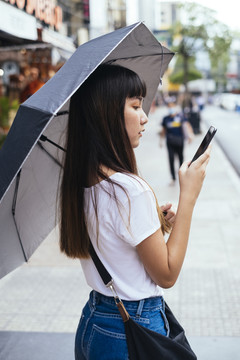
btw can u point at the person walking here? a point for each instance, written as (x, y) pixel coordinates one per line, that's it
(175, 128)
(34, 84)
(105, 201)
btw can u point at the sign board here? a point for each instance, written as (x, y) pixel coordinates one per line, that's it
(17, 22)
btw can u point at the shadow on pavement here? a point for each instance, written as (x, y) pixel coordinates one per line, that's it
(36, 346)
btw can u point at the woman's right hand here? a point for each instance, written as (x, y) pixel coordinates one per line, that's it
(163, 260)
(191, 177)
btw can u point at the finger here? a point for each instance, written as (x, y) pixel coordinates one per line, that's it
(171, 219)
(170, 216)
(166, 207)
(204, 157)
(185, 165)
(171, 213)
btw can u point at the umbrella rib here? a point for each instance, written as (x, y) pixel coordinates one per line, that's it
(50, 155)
(13, 212)
(137, 56)
(111, 61)
(44, 138)
(60, 113)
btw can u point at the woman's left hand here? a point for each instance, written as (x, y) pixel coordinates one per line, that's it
(170, 212)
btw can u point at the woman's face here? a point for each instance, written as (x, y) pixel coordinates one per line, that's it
(135, 119)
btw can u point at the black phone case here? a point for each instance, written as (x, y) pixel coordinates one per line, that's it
(204, 144)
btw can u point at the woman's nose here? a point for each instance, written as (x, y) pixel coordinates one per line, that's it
(144, 118)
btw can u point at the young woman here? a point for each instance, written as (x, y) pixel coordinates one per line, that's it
(104, 199)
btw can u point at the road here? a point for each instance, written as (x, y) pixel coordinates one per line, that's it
(228, 124)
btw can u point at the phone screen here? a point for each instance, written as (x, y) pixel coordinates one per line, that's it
(204, 144)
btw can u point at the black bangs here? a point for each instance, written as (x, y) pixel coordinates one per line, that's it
(114, 81)
(121, 81)
(134, 85)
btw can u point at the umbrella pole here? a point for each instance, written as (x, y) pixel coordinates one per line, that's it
(13, 212)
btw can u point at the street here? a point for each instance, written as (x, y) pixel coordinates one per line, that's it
(228, 124)
(41, 302)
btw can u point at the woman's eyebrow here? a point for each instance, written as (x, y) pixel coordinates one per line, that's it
(137, 98)
(140, 98)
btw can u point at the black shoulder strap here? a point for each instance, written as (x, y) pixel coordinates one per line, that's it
(106, 277)
(108, 281)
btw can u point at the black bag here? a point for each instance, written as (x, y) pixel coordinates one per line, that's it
(143, 343)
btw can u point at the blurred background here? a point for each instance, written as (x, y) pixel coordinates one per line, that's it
(37, 37)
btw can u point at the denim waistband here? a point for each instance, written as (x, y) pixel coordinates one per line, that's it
(148, 304)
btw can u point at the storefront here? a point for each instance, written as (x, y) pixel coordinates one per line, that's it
(34, 44)
(32, 34)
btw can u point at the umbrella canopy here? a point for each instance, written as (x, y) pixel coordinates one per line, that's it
(30, 166)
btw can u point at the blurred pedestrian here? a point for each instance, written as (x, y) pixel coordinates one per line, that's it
(34, 84)
(186, 103)
(201, 102)
(103, 200)
(194, 118)
(175, 128)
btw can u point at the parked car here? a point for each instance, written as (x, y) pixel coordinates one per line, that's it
(229, 101)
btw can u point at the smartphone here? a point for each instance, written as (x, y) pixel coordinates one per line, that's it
(204, 144)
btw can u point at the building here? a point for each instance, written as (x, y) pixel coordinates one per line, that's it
(166, 14)
(140, 10)
(106, 16)
(158, 16)
(38, 33)
(233, 71)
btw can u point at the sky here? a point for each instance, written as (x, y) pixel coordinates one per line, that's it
(227, 11)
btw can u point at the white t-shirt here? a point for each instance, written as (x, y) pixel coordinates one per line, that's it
(121, 227)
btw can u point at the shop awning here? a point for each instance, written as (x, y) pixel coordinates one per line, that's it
(17, 23)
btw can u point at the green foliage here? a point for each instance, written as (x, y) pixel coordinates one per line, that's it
(5, 107)
(200, 31)
(178, 77)
(4, 111)
(2, 139)
(14, 105)
(5, 116)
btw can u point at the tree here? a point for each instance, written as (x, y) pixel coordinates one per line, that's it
(219, 57)
(184, 71)
(199, 31)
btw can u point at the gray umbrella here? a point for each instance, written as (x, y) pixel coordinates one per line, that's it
(30, 164)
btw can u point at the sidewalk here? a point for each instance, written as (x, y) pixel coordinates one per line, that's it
(40, 302)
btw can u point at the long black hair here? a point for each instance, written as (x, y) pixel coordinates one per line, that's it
(96, 137)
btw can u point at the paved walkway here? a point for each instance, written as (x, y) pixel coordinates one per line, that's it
(41, 301)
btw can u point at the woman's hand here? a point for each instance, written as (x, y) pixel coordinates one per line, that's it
(191, 177)
(163, 260)
(169, 212)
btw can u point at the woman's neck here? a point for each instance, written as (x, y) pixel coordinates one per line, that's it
(106, 172)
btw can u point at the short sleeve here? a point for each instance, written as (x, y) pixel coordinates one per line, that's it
(139, 218)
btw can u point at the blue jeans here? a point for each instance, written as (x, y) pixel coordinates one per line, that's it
(100, 334)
